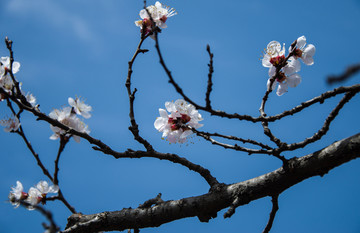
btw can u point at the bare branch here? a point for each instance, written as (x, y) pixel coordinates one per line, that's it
(134, 128)
(209, 84)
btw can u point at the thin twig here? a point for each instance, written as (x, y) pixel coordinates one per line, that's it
(256, 143)
(236, 147)
(275, 208)
(209, 84)
(318, 135)
(63, 142)
(134, 128)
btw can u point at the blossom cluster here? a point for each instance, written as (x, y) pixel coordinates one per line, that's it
(6, 81)
(288, 76)
(10, 124)
(159, 14)
(177, 125)
(69, 117)
(34, 196)
(7, 84)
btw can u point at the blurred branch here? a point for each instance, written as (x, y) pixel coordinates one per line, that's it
(53, 228)
(350, 71)
(206, 206)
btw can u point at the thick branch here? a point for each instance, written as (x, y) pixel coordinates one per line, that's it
(206, 206)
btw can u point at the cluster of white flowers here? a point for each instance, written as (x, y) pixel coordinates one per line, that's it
(6, 81)
(159, 14)
(11, 124)
(288, 76)
(68, 117)
(34, 196)
(176, 125)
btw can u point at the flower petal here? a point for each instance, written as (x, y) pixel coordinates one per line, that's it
(293, 80)
(282, 88)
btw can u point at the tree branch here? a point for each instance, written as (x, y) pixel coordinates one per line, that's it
(206, 206)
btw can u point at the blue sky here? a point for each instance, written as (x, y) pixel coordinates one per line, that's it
(81, 48)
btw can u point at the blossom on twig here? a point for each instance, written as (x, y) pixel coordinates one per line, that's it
(68, 118)
(34, 196)
(80, 107)
(159, 14)
(177, 125)
(288, 68)
(11, 124)
(6, 81)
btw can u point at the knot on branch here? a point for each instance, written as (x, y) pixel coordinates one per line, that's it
(154, 201)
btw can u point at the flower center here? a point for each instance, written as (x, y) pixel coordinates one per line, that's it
(163, 18)
(281, 77)
(276, 61)
(298, 52)
(179, 123)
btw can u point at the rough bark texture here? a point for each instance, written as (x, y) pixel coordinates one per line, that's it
(222, 196)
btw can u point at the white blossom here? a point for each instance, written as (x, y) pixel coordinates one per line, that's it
(5, 65)
(274, 54)
(159, 14)
(44, 188)
(176, 125)
(288, 68)
(288, 77)
(68, 118)
(34, 197)
(31, 99)
(303, 51)
(80, 107)
(6, 81)
(11, 124)
(16, 194)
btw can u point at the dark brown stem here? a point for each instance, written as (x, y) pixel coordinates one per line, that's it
(209, 84)
(275, 208)
(134, 128)
(63, 141)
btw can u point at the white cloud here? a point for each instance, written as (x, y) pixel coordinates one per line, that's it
(50, 12)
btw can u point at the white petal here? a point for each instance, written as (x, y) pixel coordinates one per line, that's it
(301, 41)
(158, 5)
(292, 66)
(16, 67)
(71, 102)
(163, 113)
(272, 71)
(53, 189)
(159, 124)
(143, 14)
(185, 134)
(266, 61)
(293, 80)
(170, 106)
(282, 89)
(308, 54)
